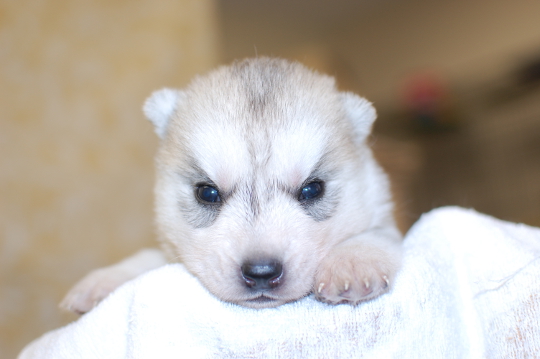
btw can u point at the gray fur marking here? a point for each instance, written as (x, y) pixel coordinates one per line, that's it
(197, 214)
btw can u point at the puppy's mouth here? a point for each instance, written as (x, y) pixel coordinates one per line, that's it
(262, 299)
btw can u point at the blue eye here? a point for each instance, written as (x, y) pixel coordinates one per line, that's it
(208, 194)
(311, 191)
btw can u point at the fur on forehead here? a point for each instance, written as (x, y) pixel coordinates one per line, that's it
(264, 93)
(257, 98)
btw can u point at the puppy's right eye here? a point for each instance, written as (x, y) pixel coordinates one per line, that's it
(207, 194)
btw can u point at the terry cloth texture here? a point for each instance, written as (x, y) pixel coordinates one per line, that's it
(469, 288)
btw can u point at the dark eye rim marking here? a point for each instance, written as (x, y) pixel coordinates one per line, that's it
(312, 181)
(198, 191)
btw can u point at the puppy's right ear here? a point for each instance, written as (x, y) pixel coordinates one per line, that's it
(160, 107)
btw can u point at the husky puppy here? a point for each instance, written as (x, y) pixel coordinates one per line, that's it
(266, 191)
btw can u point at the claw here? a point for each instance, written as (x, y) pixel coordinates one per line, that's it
(346, 286)
(386, 280)
(321, 286)
(366, 283)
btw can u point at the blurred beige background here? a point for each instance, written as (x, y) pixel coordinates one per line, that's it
(75, 150)
(76, 153)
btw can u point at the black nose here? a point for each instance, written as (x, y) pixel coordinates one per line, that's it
(262, 275)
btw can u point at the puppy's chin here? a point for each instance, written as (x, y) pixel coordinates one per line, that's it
(261, 302)
(264, 301)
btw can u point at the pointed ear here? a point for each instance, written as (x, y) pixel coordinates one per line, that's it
(361, 113)
(160, 107)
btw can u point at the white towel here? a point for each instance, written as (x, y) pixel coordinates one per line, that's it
(469, 288)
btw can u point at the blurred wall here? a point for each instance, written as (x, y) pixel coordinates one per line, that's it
(76, 171)
(467, 42)
(376, 44)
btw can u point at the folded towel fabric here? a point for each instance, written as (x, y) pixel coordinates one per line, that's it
(469, 288)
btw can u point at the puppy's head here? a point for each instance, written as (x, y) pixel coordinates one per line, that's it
(262, 168)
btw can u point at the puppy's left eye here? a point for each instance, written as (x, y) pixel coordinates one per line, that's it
(207, 194)
(312, 190)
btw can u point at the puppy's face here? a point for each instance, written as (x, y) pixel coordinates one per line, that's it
(259, 175)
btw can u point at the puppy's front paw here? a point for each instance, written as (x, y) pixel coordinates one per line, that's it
(93, 288)
(354, 273)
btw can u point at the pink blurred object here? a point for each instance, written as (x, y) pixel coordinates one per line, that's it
(426, 99)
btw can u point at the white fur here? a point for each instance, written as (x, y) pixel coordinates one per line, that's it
(361, 113)
(259, 130)
(159, 108)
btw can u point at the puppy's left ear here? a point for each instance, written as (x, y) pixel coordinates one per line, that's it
(160, 107)
(361, 113)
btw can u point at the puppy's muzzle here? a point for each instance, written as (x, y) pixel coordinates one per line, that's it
(262, 275)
